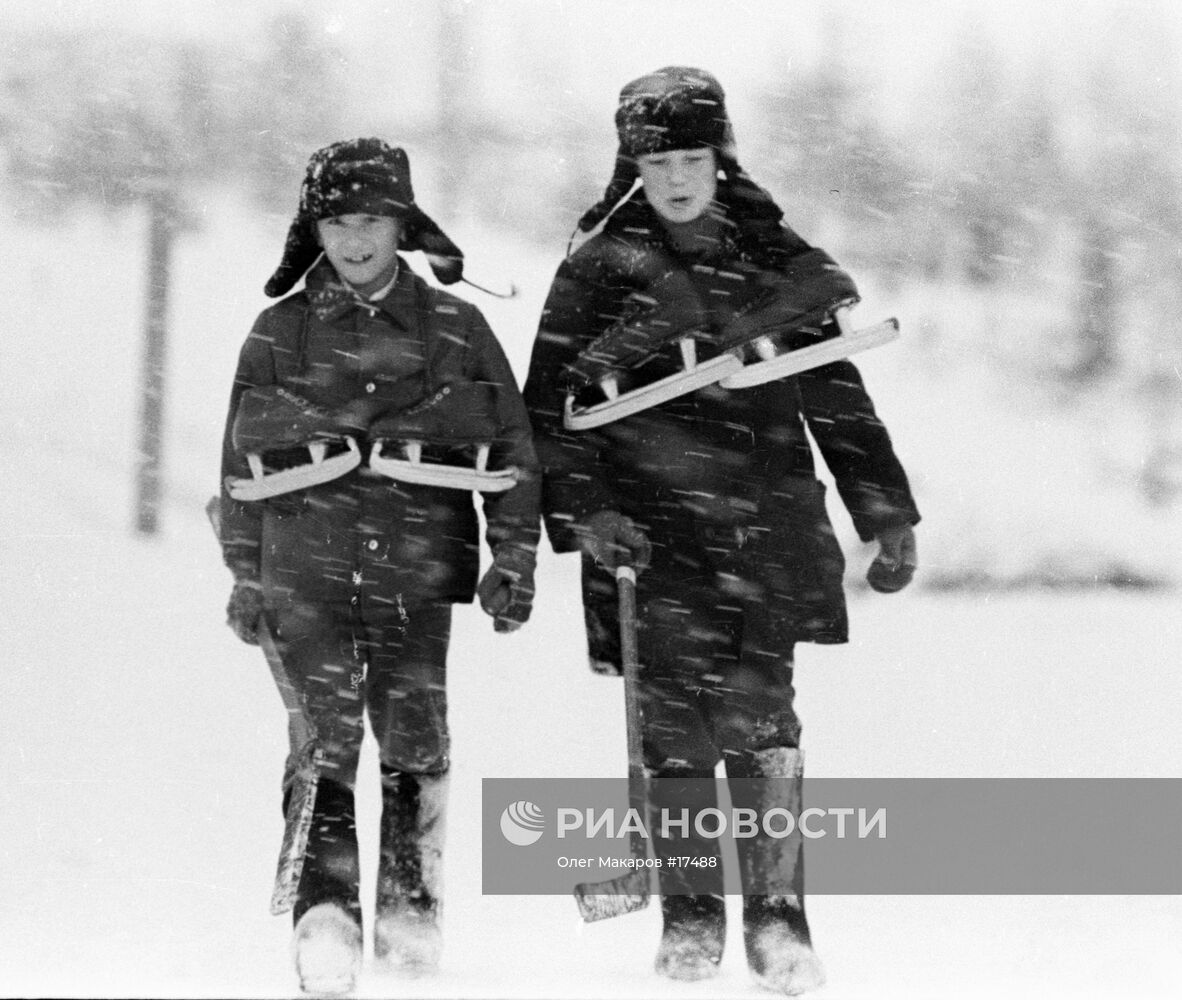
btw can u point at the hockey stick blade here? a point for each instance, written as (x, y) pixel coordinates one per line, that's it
(296, 828)
(603, 900)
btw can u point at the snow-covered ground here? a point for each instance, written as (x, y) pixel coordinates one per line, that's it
(142, 745)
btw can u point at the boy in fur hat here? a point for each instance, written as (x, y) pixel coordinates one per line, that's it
(349, 583)
(715, 491)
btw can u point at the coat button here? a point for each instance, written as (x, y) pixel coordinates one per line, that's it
(372, 545)
(370, 387)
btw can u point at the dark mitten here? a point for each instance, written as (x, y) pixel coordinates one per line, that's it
(612, 540)
(507, 590)
(245, 610)
(894, 566)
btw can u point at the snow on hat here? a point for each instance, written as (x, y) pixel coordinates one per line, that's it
(363, 176)
(673, 108)
(676, 107)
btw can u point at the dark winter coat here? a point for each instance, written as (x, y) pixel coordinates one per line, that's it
(722, 481)
(364, 532)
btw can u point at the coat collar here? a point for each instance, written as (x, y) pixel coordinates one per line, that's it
(753, 231)
(637, 222)
(331, 299)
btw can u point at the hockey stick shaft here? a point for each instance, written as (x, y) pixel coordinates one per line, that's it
(305, 779)
(630, 661)
(627, 893)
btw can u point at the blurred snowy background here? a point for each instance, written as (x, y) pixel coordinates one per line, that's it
(1005, 178)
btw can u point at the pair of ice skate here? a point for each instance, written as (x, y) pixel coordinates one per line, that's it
(783, 330)
(291, 444)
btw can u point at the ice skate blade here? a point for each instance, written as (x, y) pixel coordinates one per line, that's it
(298, 478)
(813, 356)
(648, 396)
(449, 476)
(619, 896)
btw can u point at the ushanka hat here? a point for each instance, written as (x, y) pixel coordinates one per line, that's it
(362, 176)
(676, 107)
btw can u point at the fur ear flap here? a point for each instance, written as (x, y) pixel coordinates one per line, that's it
(748, 201)
(422, 233)
(300, 252)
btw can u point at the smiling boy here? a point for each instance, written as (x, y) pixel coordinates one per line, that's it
(349, 578)
(362, 248)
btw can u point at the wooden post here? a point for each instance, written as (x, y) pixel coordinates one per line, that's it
(149, 468)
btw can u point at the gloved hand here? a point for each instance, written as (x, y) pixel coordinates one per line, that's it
(612, 540)
(245, 610)
(507, 590)
(894, 566)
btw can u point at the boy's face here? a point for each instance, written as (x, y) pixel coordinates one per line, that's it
(362, 248)
(679, 184)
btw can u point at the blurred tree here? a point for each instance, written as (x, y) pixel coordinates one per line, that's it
(847, 183)
(121, 123)
(459, 123)
(528, 172)
(119, 136)
(1033, 169)
(1096, 319)
(1127, 186)
(977, 159)
(288, 102)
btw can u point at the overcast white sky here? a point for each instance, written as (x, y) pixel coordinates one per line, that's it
(617, 39)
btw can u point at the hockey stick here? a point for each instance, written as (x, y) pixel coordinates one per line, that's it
(297, 822)
(301, 797)
(625, 893)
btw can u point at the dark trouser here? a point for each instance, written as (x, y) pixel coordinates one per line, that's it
(714, 687)
(340, 660)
